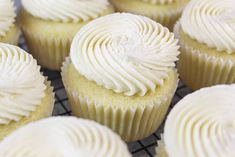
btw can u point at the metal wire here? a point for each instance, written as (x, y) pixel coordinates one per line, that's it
(142, 148)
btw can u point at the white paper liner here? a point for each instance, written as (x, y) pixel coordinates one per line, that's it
(167, 18)
(49, 52)
(130, 122)
(198, 69)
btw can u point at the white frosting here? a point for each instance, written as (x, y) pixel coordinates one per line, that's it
(203, 124)
(63, 137)
(211, 22)
(7, 16)
(159, 1)
(125, 52)
(21, 84)
(66, 10)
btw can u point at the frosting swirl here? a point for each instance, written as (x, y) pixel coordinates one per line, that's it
(66, 10)
(211, 22)
(127, 53)
(202, 124)
(7, 16)
(21, 84)
(63, 137)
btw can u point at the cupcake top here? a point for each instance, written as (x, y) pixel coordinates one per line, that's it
(63, 137)
(211, 22)
(127, 53)
(202, 124)
(7, 16)
(21, 84)
(66, 10)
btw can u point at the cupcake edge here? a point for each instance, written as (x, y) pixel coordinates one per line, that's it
(124, 121)
(43, 114)
(202, 69)
(50, 52)
(12, 36)
(167, 18)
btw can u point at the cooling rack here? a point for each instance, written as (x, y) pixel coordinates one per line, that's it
(142, 148)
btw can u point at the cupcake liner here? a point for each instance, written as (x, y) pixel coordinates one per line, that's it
(199, 69)
(130, 122)
(12, 36)
(160, 149)
(49, 41)
(167, 17)
(51, 96)
(43, 111)
(49, 52)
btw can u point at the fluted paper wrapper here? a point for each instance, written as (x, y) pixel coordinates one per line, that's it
(49, 52)
(167, 18)
(199, 69)
(48, 41)
(131, 122)
(44, 110)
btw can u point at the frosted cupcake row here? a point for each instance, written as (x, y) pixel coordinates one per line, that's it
(206, 42)
(122, 76)
(121, 69)
(49, 30)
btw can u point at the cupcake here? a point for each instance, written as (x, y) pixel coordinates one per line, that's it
(166, 12)
(206, 35)
(121, 73)
(9, 32)
(49, 26)
(25, 95)
(201, 125)
(63, 137)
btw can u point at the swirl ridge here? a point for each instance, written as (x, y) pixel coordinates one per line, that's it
(21, 84)
(127, 53)
(66, 10)
(7, 16)
(211, 22)
(202, 124)
(63, 136)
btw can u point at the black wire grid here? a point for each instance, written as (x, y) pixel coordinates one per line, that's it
(142, 148)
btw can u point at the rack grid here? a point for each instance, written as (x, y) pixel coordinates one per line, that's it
(141, 148)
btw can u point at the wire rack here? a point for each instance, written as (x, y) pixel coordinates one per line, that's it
(142, 148)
